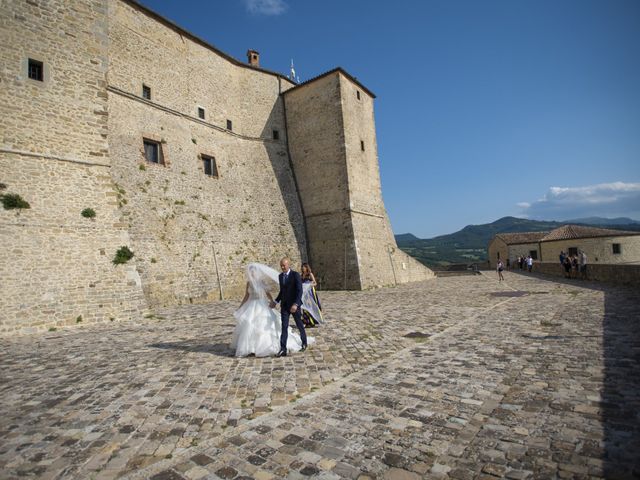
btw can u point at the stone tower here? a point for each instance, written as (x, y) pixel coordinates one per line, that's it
(333, 148)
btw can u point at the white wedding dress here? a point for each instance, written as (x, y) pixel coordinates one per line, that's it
(258, 327)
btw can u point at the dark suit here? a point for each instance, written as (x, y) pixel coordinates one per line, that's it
(290, 294)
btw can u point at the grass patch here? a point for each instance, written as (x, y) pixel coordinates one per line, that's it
(11, 201)
(123, 255)
(88, 213)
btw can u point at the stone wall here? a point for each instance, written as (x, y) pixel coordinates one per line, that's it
(512, 252)
(598, 250)
(66, 114)
(497, 249)
(184, 74)
(194, 233)
(610, 273)
(56, 265)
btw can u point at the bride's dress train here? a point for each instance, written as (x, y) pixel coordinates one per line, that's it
(258, 330)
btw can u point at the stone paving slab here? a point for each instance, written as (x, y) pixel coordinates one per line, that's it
(461, 377)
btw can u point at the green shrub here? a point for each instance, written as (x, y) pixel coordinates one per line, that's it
(123, 255)
(13, 200)
(88, 213)
(79, 319)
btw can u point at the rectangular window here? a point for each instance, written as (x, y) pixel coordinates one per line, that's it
(362, 145)
(201, 113)
(573, 251)
(152, 151)
(276, 135)
(36, 70)
(146, 92)
(229, 125)
(617, 248)
(533, 254)
(209, 164)
(358, 94)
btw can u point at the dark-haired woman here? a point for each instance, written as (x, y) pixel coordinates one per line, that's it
(311, 308)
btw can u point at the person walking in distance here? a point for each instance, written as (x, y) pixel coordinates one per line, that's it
(500, 269)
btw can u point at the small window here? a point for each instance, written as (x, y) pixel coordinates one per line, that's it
(533, 254)
(146, 92)
(358, 94)
(362, 145)
(617, 248)
(573, 251)
(276, 135)
(153, 151)
(36, 70)
(209, 164)
(229, 125)
(201, 113)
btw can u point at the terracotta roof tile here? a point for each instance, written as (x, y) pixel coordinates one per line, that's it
(569, 232)
(521, 237)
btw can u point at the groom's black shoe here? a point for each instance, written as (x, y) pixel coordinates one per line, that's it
(304, 347)
(281, 353)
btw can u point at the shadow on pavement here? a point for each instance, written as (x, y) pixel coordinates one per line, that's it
(219, 349)
(619, 403)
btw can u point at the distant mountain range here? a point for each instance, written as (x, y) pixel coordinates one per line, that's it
(470, 244)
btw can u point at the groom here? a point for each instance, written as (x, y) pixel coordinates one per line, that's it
(290, 296)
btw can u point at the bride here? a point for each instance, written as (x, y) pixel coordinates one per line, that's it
(258, 327)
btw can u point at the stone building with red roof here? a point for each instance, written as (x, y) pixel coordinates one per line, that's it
(513, 245)
(602, 245)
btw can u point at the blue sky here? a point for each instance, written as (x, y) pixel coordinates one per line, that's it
(484, 108)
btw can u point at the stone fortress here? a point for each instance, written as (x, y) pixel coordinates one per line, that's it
(197, 162)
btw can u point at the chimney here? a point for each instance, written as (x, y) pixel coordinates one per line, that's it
(253, 58)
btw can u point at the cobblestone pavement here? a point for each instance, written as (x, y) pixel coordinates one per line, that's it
(459, 377)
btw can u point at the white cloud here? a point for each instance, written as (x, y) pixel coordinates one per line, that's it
(618, 199)
(266, 7)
